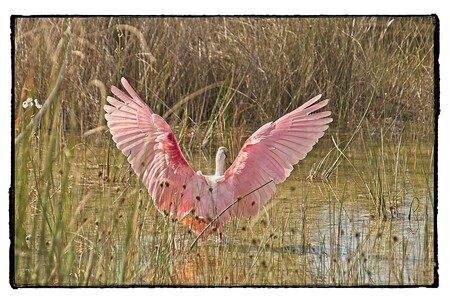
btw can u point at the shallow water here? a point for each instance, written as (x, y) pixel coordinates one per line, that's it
(325, 231)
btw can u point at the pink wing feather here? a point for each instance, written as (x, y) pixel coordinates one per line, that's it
(269, 154)
(153, 152)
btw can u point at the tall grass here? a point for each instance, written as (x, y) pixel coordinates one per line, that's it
(81, 216)
(266, 66)
(389, 229)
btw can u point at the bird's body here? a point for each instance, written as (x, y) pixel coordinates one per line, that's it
(266, 159)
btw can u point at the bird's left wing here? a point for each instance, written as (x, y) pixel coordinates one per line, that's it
(268, 155)
(152, 150)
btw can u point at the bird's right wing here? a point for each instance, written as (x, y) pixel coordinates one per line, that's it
(152, 150)
(268, 155)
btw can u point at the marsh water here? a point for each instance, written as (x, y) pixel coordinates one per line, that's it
(370, 221)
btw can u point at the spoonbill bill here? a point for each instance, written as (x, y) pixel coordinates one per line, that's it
(205, 202)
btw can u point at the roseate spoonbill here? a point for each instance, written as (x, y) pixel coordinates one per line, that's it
(266, 159)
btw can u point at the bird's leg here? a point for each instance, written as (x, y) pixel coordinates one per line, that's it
(219, 232)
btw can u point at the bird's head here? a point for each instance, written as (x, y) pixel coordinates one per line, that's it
(221, 157)
(222, 153)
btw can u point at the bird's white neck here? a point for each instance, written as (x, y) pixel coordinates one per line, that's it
(220, 161)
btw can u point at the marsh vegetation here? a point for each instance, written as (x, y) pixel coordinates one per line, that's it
(359, 210)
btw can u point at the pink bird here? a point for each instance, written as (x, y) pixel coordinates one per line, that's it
(205, 202)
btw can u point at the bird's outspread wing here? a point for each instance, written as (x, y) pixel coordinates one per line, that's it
(269, 155)
(153, 152)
